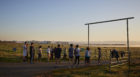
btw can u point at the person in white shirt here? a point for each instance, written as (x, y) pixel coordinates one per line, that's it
(25, 52)
(87, 55)
(77, 54)
(48, 52)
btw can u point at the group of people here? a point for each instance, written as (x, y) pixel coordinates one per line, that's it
(73, 53)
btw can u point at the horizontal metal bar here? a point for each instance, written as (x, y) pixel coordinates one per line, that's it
(110, 20)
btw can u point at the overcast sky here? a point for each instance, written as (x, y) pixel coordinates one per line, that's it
(63, 20)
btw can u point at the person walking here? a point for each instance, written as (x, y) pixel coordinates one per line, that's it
(77, 54)
(87, 55)
(32, 53)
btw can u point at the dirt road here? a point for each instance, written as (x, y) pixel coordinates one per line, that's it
(30, 70)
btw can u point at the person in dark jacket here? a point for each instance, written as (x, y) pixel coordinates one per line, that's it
(32, 53)
(115, 54)
(58, 54)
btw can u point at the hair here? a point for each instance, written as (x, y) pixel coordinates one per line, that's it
(77, 46)
(99, 48)
(88, 48)
(40, 46)
(71, 45)
(25, 42)
(48, 46)
(58, 45)
(32, 43)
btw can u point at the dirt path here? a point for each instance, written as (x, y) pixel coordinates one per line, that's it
(29, 70)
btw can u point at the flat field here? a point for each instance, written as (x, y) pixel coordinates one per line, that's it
(10, 59)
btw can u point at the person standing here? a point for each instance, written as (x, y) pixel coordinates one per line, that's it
(39, 53)
(58, 54)
(87, 55)
(71, 50)
(77, 54)
(25, 52)
(52, 52)
(32, 53)
(48, 53)
(64, 53)
(99, 55)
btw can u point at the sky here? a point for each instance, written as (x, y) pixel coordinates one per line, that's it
(63, 20)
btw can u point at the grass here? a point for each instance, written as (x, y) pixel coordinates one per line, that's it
(8, 55)
(96, 71)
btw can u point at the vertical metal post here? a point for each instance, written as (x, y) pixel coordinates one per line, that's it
(128, 46)
(88, 35)
(110, 61)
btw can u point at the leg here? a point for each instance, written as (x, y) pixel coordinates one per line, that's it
(75, 59)
(85, 60)
(78, 59)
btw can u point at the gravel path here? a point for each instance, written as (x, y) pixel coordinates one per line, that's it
(30, 70)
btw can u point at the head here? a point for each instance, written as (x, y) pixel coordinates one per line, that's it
(77, 46)
(114, 49)
(88, 48)
(58, 45)
(71, 45)
(48, 46)
(99, 48)
(25, 42)
(32, 44)
(40, 46)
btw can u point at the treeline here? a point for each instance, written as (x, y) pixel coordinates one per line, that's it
(7, 41)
